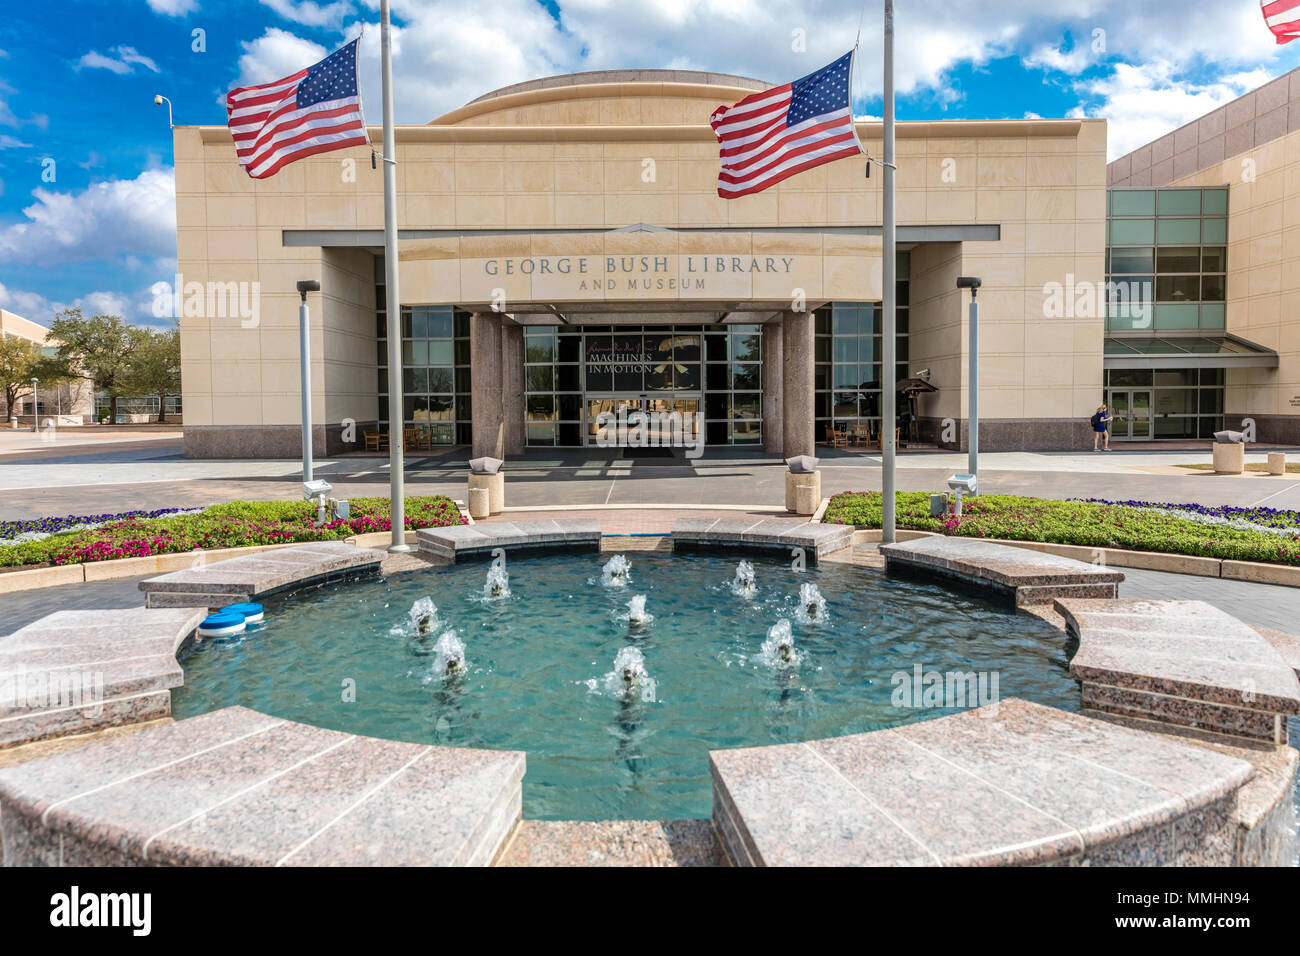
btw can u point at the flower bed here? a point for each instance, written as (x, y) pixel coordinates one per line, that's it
(1132, 526)
(234, 525)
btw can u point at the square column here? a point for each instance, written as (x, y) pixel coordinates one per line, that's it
(798, 428)
(485, 385)
(512, 386)
(773, 387)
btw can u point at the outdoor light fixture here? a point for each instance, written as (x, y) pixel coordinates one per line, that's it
(304, 373)
(159, 100)
(973, 398)
(36, 420)
(962, 485)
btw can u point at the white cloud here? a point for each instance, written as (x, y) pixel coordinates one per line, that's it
(126, 59)
(104, 221)
(173, 8)
(135, 307)
(274, 54)
(1142, 103)
(311, 14)
(12, 142)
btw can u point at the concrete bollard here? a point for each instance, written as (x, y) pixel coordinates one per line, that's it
(1277, 463)
(479, 503)
(495, 486)
(808, 496)
(795, 482)
(1229, 458)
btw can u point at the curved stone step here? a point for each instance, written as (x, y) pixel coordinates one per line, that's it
(1012, 783)
(236, 787)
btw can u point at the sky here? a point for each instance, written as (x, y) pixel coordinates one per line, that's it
(87, 213)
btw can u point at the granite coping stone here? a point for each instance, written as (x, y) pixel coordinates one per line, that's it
(1187, 649)
(57, 673)
(487, 535)
(993, 786)
(269, 571)
(258, 790)
(998, 563)
(822, 539)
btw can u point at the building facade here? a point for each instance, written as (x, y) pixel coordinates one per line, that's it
(563, 254)
(71, 403)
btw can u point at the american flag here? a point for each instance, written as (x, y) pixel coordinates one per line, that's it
(1283, 18)
(770, 136)
(313, 111)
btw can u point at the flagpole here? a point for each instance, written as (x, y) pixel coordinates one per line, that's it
(392, 298)
(888, 279)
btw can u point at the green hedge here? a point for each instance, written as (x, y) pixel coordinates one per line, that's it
(1084, 523)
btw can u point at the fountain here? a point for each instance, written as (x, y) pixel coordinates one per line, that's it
(616, 573)
(743, 583)
(421, 619)
(628, 679)
(637, 615)
(812, 605)
(779, 650)
(497, 584)
(448, 656)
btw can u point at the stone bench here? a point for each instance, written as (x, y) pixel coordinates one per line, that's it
(236, 787)
(1025, 577)
(236, 580)
(1014, 783)
(72, 672)
(761, 534)
(485, 537)
(1181, 662)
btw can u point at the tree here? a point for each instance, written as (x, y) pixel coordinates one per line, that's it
(98, 347)
(20, 362)
(155, 365)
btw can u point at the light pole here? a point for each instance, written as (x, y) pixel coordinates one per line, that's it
(888, 305)
(973, 375)
(304, 358)
(159, 100)
(36, 409)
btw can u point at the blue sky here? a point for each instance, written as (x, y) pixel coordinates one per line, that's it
(86, 210)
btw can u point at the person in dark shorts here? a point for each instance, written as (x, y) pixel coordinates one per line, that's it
(1101, 428)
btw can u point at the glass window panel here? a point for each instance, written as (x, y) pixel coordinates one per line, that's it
(846, 376)
(421, 350)
(1212, 288)
(869, 348)
(688, 377)
(716, 348)
(903, 263)
(1211, 376)
(408, 353)
(414, 380)
(822, 348)
(440, 380)
(1128, 377)
(822, 404)
(745, 377)
(1175, 378)
(383, 381)
(406, 323)
(1211, 400)
(822, 320)
(463, 380)
(1214, 202)
(418, 328)
(716, 433)
(460, 323)
(439, 324)
(539, 378)
(1179, 260)
(1214, 259)
(599, 379)
(568, 378)
(440, 352)
(1214, 230)
(746, 405)
(539, 349)
(1128, 261)
(1178, 202)
(686, 348)
(717, 377)
(1178, 288)
(1178, 231)
(1132, 232)
(440, 408)
(715, 405)
(846, 348)
(822, 376)
(1212, 317)
(568, 433)
(381, 326)
(462, 351)
(845, 320)
(540, 433)
(1176, 316)
(746, 348)
(463, 411)
(540, 408)
(570, 348)
(569, 407)
(1132, 202)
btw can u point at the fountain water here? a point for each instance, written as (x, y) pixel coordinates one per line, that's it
(616, 573)
(743, 583)
(448, 656)
(421, 619)
(628, 678)
(497, 584)
(812, 605)
(637, 615)
(779, 650)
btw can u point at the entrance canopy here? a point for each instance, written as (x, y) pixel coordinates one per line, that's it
(1186, 351)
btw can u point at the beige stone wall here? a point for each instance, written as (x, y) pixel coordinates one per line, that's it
(1263, 270)
(1042, 181)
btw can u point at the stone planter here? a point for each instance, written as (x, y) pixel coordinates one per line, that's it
(800, 490)
(479, 502)
(495, 485)
(1277, 463)
(1229, 458)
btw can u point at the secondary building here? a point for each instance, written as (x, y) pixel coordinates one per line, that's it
(564, 256)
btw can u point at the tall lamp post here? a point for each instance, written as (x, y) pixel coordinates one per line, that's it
(973, 375)
(159, 100)
(36, 409)
(304, 357)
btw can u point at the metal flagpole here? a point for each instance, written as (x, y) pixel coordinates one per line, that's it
(392, 297)
(889, 319)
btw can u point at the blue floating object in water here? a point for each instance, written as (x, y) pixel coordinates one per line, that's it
(250, 612)
(222, 624)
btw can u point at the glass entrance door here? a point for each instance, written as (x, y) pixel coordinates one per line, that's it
(1130, 412)
(621, 421)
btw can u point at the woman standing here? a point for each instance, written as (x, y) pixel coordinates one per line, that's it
(1101, 428)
